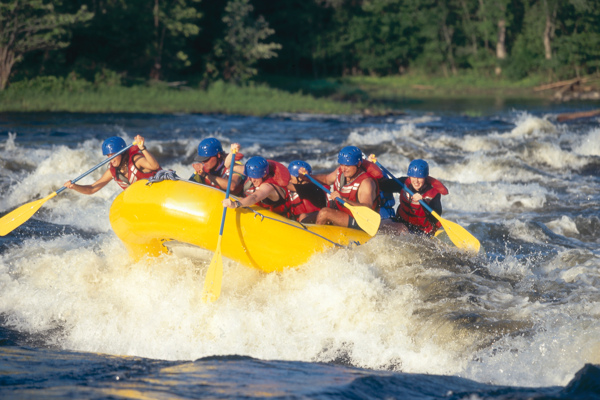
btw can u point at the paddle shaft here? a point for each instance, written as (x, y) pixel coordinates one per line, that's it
(96, 167)
(324, 189)
(227, 191)
(214, 274)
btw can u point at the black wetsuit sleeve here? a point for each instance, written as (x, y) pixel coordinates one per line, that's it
(312, 193)
(390, 185)
(436, 204)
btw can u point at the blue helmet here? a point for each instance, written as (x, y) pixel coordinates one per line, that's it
(257, 167)
(418, 169)
(350, 155)
(208, 148)
(113, 145)
(295, 166)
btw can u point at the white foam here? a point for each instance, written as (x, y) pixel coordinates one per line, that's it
(495, 197)
(562, 343)
(553, 155)
(382, 305)
(419, 119)
(563, 226)
(528, 125)
(589, 144)
(10, 144)
(371, 136)
(470, 143)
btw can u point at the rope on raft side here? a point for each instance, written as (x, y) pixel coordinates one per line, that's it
(256, 214)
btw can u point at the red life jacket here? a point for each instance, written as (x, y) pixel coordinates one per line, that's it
(222, 171)
(414, 213)
(301, 206)
(133, 174)
(278, 177)
(349, 191)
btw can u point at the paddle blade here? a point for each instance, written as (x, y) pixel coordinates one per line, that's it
(16, 218)
(366, 218)
(459, 235)
(214, 276)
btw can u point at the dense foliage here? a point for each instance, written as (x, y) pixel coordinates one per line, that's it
(199, 41)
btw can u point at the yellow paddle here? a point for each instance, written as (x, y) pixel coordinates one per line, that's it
(457, 234)
(214, 275)
(366, 218)
(17, 217)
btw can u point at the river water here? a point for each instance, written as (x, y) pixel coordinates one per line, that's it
(398, 317)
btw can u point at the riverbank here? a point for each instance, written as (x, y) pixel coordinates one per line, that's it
(163, 99)
(352, 95)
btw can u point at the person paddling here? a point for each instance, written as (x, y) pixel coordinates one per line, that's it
(307, 199)
(212, 166)
(411, 216)
(134, 164)
(269, 186)
(354, 181)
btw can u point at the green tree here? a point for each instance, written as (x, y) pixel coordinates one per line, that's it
(339, 39)
(137, 38)
(527, 54)
(577, 43)
(494, 27)
(30, 25)
(383, 36)
(368, 36)
(235, 55)
(439, 34)
(172, 19)
(550, 8)
(301, 28)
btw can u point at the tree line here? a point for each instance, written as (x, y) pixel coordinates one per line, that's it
(200, 41)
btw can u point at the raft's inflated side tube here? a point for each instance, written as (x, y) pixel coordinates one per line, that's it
(144, 217)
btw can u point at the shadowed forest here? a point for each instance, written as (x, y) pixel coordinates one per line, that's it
(304, 46)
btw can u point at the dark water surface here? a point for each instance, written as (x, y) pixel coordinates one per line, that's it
(399, 317)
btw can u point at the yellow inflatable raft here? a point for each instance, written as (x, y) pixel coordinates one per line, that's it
(144, 217)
